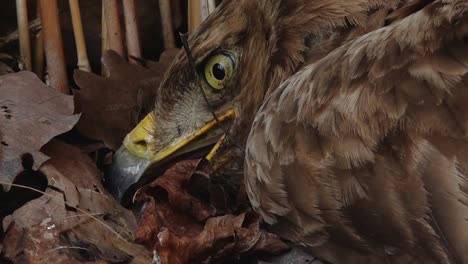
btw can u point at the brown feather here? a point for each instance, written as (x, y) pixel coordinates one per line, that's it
(378, 132)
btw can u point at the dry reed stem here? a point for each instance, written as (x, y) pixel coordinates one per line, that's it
(194, 15)
(131, 31)
(82, 54)
(114, 31)
(39, 50)
(211, 6)
(166, 22)
(104, 38)
(55, 56)
(23, 29)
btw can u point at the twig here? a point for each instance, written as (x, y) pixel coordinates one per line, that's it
(194, 15)
(166, 22)
(66, 247)
(55, 55)
(114, 32)
(82, 54)
(23, 29)
(188, 52)
(131, 30)
(39, 49)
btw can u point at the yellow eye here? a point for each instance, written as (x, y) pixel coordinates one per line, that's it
(219, 70)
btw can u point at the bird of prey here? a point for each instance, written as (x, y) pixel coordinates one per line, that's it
(348, 119)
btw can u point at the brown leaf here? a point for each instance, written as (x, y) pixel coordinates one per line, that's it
(180, 222)
(172, 187)
(71, 161)
(111, 107)
(76, 221)
(31, 114)
(223, 237)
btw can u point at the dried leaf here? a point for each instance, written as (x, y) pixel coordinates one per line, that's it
(172, 187)
(111, 107)
(222, 238)
(180, 222)
(73, 163)
(76, 221)
(31, 114)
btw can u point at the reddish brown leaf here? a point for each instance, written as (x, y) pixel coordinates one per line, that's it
(31, 114)
(172, 185)
(111, 107)
(223, 237)
(182, 226)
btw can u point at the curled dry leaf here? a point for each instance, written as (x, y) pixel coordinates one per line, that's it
(75, 222)
(111, 107)
(31, 114)
(181, 223)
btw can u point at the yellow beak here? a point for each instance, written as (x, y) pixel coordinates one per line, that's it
(138, 152)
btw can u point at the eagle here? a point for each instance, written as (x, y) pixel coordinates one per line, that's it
(348, 121)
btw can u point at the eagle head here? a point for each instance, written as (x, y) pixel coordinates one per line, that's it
(242, 52)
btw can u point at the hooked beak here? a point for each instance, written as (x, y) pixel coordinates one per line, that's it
(137, 155)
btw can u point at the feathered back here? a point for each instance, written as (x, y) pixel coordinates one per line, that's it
(362, 156)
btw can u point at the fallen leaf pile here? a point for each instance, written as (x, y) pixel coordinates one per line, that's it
(75, 221)
(183, 225)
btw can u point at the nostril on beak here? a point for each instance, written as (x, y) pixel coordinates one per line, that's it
(141, 145)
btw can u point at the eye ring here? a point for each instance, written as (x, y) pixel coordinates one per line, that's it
(218, 70)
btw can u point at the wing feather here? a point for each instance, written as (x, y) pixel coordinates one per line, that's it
(368, 146)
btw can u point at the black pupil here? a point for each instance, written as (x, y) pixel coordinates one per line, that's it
(219, 72)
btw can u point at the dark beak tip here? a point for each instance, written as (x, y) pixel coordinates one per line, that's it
(125, 171)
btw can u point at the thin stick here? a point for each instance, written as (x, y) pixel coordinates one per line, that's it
(114, 32)
(39, 49)
(104, 39)
(55, 55)
(131, 30)
(82, 54)
(23, 29)
(194, 15)
(166, 22)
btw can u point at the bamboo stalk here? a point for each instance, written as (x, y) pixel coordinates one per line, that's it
(104, 39)
(204, 9)
(23, 30)
(166, 22)
(131, 31)
(82, 54)
(39, 55)
(194, 15)
(39, 49)
(114, 32)
(55, 55)
(211, 6)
